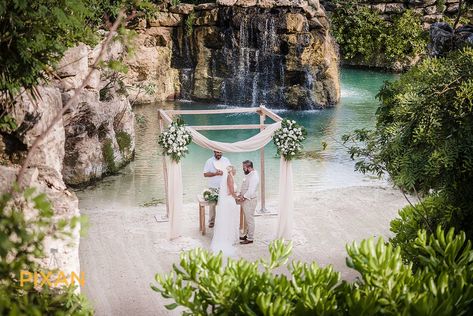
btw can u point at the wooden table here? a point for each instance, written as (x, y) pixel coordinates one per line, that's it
(203, 203)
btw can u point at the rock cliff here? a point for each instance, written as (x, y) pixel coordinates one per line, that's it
(99, 130)
(278, 53)
(95, 137)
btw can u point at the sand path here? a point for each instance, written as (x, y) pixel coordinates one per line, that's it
(125, 247)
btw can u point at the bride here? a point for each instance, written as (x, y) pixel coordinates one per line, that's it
(227, 216)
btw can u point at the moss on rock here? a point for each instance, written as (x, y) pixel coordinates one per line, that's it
(108, 156)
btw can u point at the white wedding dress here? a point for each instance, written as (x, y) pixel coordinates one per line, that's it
(227, 219)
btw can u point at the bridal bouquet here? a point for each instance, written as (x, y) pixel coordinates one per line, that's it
(210, 195)
(288, 139)
(174, 140)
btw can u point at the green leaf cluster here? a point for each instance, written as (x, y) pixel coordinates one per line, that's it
(34, 35)
(7, 123)
(442, 285)
(363, 35)
(423, 137)
(21, 245)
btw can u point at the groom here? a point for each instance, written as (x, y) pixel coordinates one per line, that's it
(248, 200)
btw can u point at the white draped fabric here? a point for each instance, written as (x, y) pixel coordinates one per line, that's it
(174, 196)
(286, 200)
(251, 144)
(175, 189)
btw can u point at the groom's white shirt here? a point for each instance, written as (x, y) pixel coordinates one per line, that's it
(214, 182)
(251, 180)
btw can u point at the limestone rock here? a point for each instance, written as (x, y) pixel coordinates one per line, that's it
(74, 62)
(394, 8)
(65, 206)
(150, 66)
(240, 51)
(207, 18)
(90, 127)
(45, 167)
(452, 8)
(430, 10)
(379, 7)
(246, 3)
(226, 2)
(33, 117)
(182, 8)
(205, 6)
(295, 23)
(267, 4)
(165, 19)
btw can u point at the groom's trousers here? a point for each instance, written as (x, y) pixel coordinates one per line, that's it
(249, 207)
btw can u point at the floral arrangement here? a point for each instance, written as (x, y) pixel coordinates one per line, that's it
(288, 139)
(174, 140)
(210, 195)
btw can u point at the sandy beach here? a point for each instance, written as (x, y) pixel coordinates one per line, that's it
(125, 247)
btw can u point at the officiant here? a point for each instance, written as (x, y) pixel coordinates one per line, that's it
(213, 170)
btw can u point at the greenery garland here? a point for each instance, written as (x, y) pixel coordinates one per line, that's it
(174, 140)
(288, 139)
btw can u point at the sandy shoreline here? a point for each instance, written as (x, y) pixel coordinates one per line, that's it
(125, 247)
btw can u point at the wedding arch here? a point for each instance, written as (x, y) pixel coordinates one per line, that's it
(173, 174)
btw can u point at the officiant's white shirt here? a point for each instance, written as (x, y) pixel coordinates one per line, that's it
(252, 180)
(214, 182)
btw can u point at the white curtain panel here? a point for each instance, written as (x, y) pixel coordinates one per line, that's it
(175, 190)
(175, 197)
(286, 200)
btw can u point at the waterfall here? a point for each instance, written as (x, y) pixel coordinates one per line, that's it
(258, 70)
(251, 56)
(186, 76)
(182, 59)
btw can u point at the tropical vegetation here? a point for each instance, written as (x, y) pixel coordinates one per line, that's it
(423, 141)
(364, 36)
(26, 219)
(203, 283)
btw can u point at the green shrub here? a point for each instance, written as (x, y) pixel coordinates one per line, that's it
(34, 36)
(22, 243)
(423, 137)
(364, 36)
(190, 20)
(443, 284)
(431, 212)
(406, 38)
(7, 123)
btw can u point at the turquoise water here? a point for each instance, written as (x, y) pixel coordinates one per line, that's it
(141, 181)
